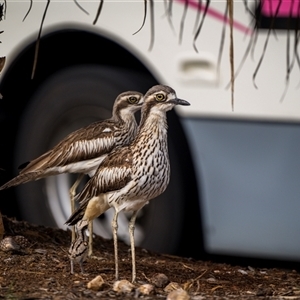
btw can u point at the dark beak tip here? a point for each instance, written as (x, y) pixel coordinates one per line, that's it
(183, 102)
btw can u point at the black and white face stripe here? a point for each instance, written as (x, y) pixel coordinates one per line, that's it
(129, 100)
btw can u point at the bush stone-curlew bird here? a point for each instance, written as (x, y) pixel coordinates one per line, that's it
(130, 176)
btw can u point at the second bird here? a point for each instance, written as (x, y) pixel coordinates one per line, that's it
(84, 149)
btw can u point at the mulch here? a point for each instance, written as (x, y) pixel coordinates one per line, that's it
(41, 270)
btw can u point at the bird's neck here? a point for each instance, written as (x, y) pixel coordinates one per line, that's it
(153, 123)
(125, 118)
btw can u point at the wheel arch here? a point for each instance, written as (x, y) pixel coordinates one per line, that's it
(68, 47)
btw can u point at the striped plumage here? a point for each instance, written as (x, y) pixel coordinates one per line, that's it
(78, 251)
(83, 150)
(132, 175)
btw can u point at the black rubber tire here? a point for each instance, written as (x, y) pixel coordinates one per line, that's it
(72, 98)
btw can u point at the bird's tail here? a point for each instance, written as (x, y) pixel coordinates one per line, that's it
(76, 216)
(83, 199)
(22, 178)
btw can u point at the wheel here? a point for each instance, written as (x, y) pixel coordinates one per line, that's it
(70, 99)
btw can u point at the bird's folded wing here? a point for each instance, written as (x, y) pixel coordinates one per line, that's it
(113, 174)
(85, 143)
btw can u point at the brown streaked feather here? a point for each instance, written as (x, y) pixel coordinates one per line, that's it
(22, 178)
(113, 174)
(76, 216)
(77, 146)
(83, 150)
(36, 164)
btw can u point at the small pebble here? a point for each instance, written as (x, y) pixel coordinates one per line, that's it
(172, 286)
(145, 289)
(251, 269)
(123, 286)
(160, 280)
(264, 292)
(179, 294)
(96, 284)
(9, 244)
(21, 241)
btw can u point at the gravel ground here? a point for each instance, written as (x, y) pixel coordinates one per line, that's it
(41, 270)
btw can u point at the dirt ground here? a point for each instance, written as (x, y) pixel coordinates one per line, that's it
(41, 270)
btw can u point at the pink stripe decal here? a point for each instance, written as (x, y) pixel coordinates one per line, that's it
(217, 15)
(269, 7)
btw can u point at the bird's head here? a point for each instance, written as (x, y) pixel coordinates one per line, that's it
(163, 98)
(128, 102)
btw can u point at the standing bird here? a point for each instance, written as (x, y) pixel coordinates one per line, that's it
(130, 176)
(84, 149)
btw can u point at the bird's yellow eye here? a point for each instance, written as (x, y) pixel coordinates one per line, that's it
(132, 99)
(160, 97)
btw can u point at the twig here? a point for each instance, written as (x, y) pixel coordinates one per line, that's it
(251, 41)
(200, 25)
(151, 3)
(258, 20)
(186, 4)
(28, 11)
(222, 42)
(5, 7)
(266, 44)
(148, 279)
(144, 19)
(231, 51)
(37, 44)
(187, 267)
(169, 15)
(200, 276)
(98, 11)
(216, 287)
(86, 12)
(297, 37)
(247, 8)
(198, 15)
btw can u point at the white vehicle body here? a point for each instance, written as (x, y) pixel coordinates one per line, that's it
(245, 153)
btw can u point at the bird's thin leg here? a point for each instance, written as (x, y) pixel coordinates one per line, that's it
(72, 193)
(81, 267)
(72, 266)
(131, 235)
(115, 229)
(90, 228)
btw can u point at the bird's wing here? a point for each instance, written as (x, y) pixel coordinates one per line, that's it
(22, 178)
(113, 174)
(83, 144)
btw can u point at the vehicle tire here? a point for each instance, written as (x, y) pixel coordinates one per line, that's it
(64, 102)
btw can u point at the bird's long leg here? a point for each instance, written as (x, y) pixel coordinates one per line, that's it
(131, 235)
(90, 228)
(72, 193)
(115, 229)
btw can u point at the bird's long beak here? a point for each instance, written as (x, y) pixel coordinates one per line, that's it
(181, 102)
